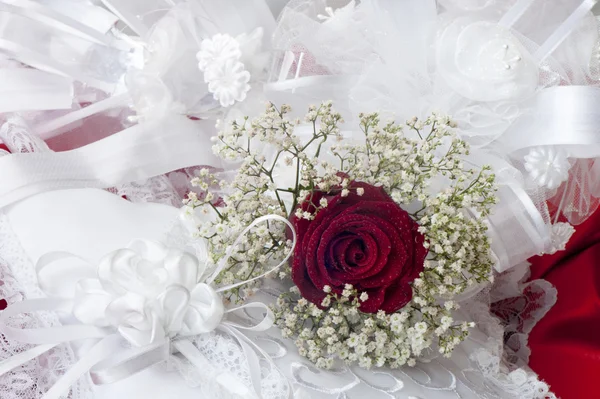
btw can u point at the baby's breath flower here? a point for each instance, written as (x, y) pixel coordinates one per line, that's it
(405, 160)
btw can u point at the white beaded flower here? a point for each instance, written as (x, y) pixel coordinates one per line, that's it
(547, 166)
(228, 82)
(216, 50)
(560, 235)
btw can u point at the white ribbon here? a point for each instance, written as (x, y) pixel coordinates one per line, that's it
(138, 153)
(62, 21)
(29, 89)
(568, 116)
(149, 295)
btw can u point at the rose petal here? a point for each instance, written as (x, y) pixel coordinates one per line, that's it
(311, 244)
(363, 225)
(396, 297)
(367, 241)
(373, 303)
(308, 289)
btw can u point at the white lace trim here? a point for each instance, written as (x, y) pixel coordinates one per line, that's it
(16, 135)
(17, 282)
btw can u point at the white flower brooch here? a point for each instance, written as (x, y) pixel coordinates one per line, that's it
(220, 60)
(547, 166)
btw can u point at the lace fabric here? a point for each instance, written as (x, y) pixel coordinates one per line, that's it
(520, 305)
(18, 282)
(224, 355)
(18, 138)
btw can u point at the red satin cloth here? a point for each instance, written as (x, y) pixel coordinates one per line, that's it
(565, 344)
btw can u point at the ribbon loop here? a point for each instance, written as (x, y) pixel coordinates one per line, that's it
(149, 295)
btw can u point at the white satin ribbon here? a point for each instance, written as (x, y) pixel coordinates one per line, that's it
(564, 30)
(137, 153)
(568, 116)
(45, 63)
(51, 128)
(141, 272)
(32, 90)
(515, 205)
(515, 13)
(132, 12)
(56, 20)
(87, 13)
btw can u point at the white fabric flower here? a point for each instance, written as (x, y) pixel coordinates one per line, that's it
(216, 50)
(228, 82)
(149, 292)
(483, 61)
(547, 166)
(560, 235)
(220, 60)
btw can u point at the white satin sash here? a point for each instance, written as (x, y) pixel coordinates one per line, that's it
(32, 90)
(138, 153)
(564, 115)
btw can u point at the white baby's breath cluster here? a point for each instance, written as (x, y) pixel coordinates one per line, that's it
(253, 192)
(262, 247)
(407, 160)
(339, 330)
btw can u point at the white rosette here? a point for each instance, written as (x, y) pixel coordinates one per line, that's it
(483, 61)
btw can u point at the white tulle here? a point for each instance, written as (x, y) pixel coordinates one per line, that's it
(494, 71)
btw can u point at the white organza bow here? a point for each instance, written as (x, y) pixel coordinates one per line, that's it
(153, 298)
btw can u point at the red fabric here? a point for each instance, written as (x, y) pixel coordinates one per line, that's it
(565, 344)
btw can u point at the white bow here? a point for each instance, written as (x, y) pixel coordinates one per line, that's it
(152, 296)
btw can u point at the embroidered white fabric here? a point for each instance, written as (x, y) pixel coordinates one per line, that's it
(482, 367)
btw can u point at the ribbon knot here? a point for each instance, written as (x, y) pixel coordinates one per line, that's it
(153, 297)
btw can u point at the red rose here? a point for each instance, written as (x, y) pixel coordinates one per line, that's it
(367, 241)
